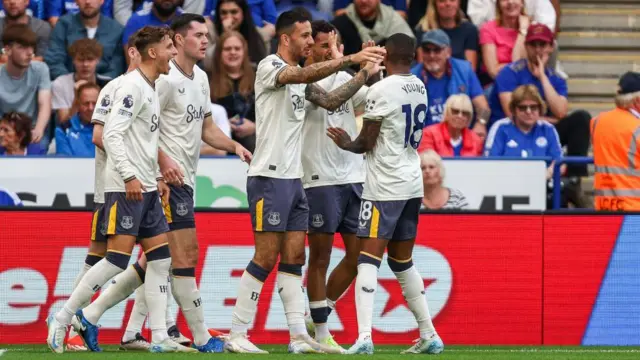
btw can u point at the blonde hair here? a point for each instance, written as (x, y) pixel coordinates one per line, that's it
(431, 155)
(626, 101)
(499, 12)
(527, 92)
(460, 102)
(430, 20)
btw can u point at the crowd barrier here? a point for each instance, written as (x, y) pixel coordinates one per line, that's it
(491, 278)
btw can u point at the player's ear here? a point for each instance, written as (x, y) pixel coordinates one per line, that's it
(285, 39)
(178, 39)
(151, 52)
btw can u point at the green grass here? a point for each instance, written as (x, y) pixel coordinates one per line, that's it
(382, 352)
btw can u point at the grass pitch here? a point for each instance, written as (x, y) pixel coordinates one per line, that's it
(29, 352)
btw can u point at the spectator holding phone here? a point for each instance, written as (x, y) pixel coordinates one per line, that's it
(231, 81)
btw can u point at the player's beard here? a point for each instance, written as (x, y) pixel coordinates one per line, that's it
(14, 17)
(165, 12)
(90, 15)
(433, 67)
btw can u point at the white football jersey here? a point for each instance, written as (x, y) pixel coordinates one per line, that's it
(184, 104)
(323, 162)
(131, 134)
(393, 165)
(280, 113)
(100, 112)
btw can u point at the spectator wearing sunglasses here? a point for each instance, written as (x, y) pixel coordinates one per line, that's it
(445, 76)
(452, 136)
(15, 136)
(525, 134)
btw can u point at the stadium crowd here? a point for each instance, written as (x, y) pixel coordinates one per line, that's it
(472, 55)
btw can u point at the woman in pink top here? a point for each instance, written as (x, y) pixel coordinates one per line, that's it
(502, 39)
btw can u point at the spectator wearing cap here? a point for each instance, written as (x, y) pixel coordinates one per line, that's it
(445, 76)
(502, 39)
(452, 137)
(86, 54)
(366, 20)
(76, 139)
(447, 15)
(88, 23)
(16, 12)
(24, 84)
(533, 70)
(615, 142)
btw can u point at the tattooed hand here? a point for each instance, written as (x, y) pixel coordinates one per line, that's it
(339, 136)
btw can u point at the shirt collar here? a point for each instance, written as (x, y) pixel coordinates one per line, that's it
(425, 74)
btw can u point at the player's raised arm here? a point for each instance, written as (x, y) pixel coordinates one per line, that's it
(213, 136)
(127, 104)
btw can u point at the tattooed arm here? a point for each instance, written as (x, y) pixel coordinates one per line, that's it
(363, 143)
(337, 97)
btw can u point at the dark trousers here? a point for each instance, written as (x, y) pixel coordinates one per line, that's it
(574, 134)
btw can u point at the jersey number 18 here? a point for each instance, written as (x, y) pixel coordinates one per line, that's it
(415, 123)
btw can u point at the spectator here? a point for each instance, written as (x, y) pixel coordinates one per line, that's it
(340, 6)
(88, 23)
(219, 115)
(263, 14)
(16, 13)
(15, 136)
(160, 13)
(436, 196)
(418, 8)
(9, 198)
(452, 136)
(123, 9)
(76, 140)
(502, 39)
(573, 128)
(447, 15)
(24, 84)
(230, 15)
(231, 83)
(85, 54)
(366, 20)
(525, 133)
(35, 8)
(540, 11)
(445, 76)
(57, 8)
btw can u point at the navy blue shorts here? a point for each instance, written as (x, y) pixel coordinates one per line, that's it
(179, 210)
(277, 204)
(334, 208)
(98, 226)
(389, 220)
(143, 219)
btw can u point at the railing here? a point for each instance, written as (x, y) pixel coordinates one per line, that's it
(556, 175)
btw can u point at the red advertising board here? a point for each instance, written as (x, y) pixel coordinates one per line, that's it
(490, 279)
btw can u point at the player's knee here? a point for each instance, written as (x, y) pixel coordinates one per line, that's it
(265, 260)
(366, 258)
(257, 271)
(192, 254)
(159, 252)
(320, 260)
(399, 265)
(118, 259)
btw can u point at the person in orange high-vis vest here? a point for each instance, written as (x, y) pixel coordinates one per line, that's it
(615, 136)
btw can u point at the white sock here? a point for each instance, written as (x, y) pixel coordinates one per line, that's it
(290, 290)
(91, 282)
(137, 317)
(366, 286)
(249, 290)
(156, 288)
(319, 312)
(188, 297)
(123, 285)
(413, 291)
(170, 320)
(83, 270)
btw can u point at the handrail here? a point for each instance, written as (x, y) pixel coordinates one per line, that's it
(556, 174)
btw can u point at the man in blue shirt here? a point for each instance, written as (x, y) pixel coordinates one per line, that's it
(88, 23)
(161, 13)
(57, 8)
(573, 128)
(445, 76)
(76, 140)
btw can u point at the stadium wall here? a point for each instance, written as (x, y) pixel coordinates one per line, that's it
(512, 279)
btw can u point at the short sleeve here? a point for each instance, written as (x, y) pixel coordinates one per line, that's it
(488, 33)
(560, 85)
(506, 81)
(475, 89)
(163, 88)
(268, 72)
(555, 148)
(44, 82)
(58, 99)
(376, 106)
(103, 106)
(471, 36)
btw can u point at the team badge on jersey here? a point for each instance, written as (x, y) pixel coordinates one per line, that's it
(317, 220)
(128, 101)
(541, 141)
(181, 209)
(127, 222)
(276, 64)
(106, 101)
(273, 218)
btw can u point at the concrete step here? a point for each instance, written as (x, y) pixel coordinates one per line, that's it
(603, 64)
(600, 17)
(594, 105)
(592, 87)
(599, 40)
